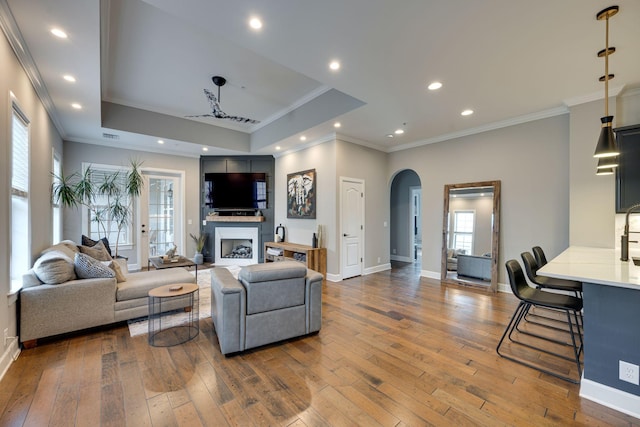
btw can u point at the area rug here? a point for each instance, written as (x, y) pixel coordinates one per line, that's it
(140, 326)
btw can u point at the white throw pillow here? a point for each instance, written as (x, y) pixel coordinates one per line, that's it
(54, 267)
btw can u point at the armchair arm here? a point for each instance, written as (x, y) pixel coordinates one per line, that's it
(313, 291)
(228, 310)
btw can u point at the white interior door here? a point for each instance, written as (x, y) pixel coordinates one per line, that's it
(161, 219)
(352, 226)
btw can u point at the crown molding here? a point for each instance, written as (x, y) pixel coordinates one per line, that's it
(558, 111)
(595, 96)
(321, 140)
(364, 143)
(16, 41)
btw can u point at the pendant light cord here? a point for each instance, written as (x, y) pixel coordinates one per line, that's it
(606, 70)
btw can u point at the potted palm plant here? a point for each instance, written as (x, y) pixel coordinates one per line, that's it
(199, 241)
(82, 190)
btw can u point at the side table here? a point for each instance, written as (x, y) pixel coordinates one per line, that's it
(173, 314)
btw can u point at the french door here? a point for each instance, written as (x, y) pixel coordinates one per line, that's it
(161, 222)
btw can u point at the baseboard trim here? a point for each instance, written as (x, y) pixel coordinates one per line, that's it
(10, 354)
(503, 287)
(334, 277)
(377, 269)
(610, 397)
(401, 258)
(430, 274)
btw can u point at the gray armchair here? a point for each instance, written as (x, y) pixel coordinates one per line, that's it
(267, 303)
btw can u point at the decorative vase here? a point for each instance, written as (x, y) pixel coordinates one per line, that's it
(199, 258)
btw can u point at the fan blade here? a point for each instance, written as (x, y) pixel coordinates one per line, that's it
(242, 119)
(219, 114)
(202, 115)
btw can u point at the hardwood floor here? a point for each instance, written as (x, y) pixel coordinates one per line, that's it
(394, 350)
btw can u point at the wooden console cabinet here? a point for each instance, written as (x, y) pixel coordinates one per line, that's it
(315, 258)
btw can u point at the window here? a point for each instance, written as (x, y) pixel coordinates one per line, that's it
(97, 219)
(463, 227)
(55, 206)
(20, 257)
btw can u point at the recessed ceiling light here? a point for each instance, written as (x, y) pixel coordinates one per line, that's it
(434, 86)
(399, 131)
(337, 124)
(59, 33)
(69, 78)
(205, 149)
(76, 106)
(160, 142)
(255, 23)
(467, 113)
(334, 65)
(389, 135)
(303, 138)
(277, 148)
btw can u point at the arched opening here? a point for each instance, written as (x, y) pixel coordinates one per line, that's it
(406, 217)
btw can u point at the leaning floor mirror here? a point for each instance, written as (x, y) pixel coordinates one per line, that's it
(470, 234)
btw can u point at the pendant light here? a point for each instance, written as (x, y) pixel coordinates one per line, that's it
(607, 146)
(606, 165)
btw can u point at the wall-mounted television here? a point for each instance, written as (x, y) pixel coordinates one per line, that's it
(235, 191)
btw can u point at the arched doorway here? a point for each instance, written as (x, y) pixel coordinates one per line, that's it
(406, 217)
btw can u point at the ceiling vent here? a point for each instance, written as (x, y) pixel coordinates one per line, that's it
(110, 136)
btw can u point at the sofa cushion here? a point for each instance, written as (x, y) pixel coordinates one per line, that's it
(139, 284)
(54, 267)
(68, 247)
(89, 268)
(272, 271)
(273, 286)
(97, 251)
(87, 241)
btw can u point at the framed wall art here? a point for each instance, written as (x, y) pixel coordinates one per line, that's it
(301, 194)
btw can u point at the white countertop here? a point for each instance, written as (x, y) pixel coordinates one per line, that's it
(594, 265)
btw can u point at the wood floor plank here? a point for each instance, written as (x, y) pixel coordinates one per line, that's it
(395, 349)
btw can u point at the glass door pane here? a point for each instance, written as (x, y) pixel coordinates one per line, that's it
(162, 221)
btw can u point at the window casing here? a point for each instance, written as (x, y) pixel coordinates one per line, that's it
(55, 206)
(20, 238)
(463, 229)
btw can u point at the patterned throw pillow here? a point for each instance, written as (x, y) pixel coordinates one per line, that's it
(89, 268)
(87, 241)
(98, 251)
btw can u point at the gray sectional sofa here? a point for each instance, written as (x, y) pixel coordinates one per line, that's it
(268, 303)
(62, 306)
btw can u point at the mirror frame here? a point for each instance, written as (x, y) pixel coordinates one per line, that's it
(495, 234)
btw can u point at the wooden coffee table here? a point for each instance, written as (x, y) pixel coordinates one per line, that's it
(174, 314)
(181, 261)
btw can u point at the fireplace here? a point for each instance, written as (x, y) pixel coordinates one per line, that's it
(236, 245)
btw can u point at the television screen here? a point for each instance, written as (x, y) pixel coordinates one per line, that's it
(235, 191)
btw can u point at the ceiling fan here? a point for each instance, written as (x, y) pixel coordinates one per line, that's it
(215, 104)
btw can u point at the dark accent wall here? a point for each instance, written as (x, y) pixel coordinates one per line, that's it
(611, 322)
(242, 164)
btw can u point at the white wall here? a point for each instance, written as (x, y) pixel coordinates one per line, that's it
(44, 138)
(322, 158)
(531, 161)
(356, 161)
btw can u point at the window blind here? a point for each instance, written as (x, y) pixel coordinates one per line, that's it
(20, 155)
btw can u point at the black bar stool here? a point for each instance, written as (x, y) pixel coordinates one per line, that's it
(531, 297)
(542, 282)
(541, 258)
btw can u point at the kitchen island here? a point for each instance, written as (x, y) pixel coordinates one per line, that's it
(611, 293)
